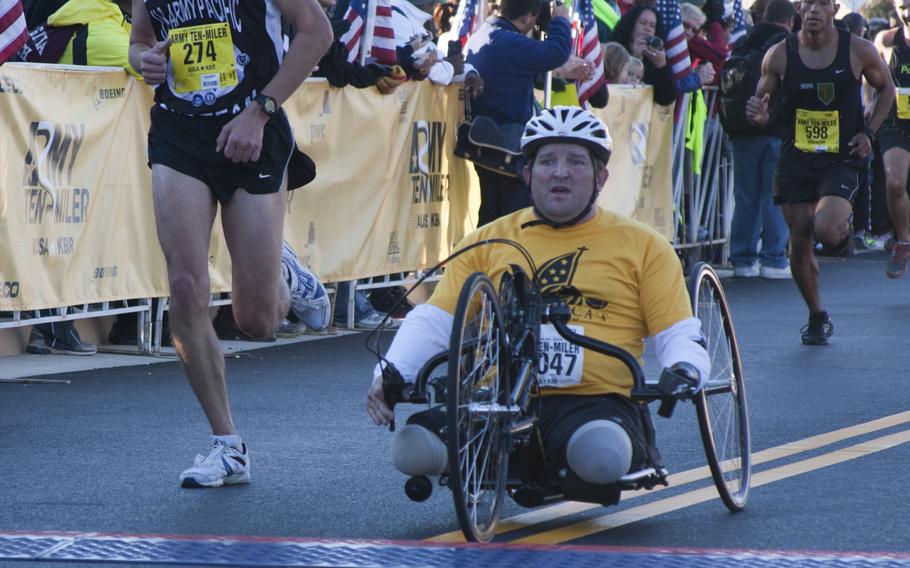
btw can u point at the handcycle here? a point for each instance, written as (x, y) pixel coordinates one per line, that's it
(489, 389)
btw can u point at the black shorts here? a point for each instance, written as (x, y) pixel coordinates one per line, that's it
(187, 144)
(804, 181)
(892, 136)
(559, 416)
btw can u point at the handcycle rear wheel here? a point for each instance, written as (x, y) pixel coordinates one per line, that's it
(722, 409)
(477, 390)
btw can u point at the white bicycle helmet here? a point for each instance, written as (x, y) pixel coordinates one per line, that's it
(567, 124)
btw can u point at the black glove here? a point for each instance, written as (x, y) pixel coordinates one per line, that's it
(714, 10)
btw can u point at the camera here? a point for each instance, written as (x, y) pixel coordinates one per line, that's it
(655, 43)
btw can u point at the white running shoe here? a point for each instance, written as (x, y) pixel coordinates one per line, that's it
(308, 297)
(225, 465)
(773, 273)
(747, 271)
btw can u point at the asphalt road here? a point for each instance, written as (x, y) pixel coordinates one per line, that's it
(102, 454)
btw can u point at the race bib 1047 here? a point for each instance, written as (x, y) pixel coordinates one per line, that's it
(560, 362)
(202, 58)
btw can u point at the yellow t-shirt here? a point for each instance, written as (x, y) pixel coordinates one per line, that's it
(621, 278)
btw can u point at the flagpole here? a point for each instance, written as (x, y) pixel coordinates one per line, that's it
(369, 25)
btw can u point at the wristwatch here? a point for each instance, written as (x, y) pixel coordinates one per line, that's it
(267, 104)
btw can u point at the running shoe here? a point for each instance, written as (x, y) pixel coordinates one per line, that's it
(308, 297)
(288, 328)
(746, 271)
(376, 320)
(818, 330)
(224, 465)
(775, 273)
(900, 254)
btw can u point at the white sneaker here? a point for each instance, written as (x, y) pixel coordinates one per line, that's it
(748, 271)
(773, 273)
(376, 320)
(225, 465)
(308, 298)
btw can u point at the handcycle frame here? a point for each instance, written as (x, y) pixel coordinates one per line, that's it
(517, 311)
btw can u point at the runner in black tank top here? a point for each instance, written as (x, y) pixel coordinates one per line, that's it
(219, 137)
(824, 108)
(818, 70)
(894, 139)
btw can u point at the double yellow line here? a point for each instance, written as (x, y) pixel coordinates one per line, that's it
(627, 516)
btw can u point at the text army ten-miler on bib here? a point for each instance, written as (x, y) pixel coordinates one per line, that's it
(560, 362)
(203, 58)
(817, 131)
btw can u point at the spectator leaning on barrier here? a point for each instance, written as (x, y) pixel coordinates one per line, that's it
(633, 31)
(339, 72)
(508, 61)
(83, 32)
(705, 35)
(219, 135)
(756, 153)
(415, 36)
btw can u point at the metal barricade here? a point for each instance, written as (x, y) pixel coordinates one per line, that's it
(703, 200)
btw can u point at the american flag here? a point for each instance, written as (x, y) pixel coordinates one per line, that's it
(13, 31)
(589, 49)
(675, 43)
(361, 41)
(739, 21)
(468, 18)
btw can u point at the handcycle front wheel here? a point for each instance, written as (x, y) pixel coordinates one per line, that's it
(723, 412)
(477, 392)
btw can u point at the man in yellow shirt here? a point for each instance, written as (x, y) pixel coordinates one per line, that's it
(622, 280)
(97, 32)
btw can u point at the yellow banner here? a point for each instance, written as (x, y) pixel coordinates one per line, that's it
(76, 221)
(640, 183)
(389, 194)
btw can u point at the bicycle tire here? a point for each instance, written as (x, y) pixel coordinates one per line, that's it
(722, 407)
(476, 438)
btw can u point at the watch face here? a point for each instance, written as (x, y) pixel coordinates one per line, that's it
(269, 106)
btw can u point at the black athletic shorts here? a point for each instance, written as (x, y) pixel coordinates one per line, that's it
(559, 416)
(803, 181)
(187, 144)
(892, 136)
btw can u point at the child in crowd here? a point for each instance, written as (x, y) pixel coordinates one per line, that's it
(615, 60)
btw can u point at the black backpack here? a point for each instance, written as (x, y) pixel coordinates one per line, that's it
(738, 81)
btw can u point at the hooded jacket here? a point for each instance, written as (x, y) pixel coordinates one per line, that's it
(103, 37)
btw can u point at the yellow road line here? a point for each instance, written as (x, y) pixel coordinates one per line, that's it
(606, 522)
(568, 508)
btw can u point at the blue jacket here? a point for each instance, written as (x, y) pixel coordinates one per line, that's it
(508, 62)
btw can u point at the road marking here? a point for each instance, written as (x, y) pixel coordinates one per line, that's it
(568, 508)
(613, 520)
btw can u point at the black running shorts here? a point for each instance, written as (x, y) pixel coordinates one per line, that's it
(187, 144)
(802, 181)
